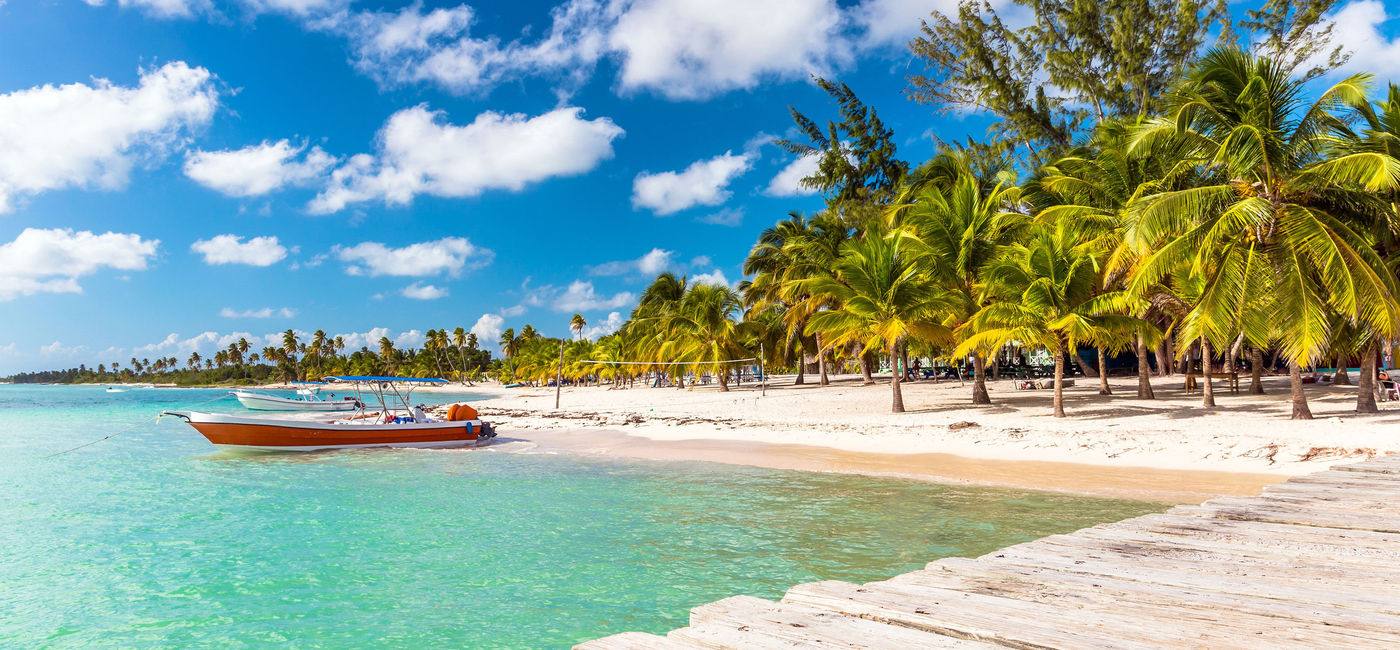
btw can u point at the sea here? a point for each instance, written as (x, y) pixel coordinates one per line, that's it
(153, 539)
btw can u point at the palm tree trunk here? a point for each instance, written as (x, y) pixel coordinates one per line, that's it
(1256, 371)
(1233, 353)
(903, 361)
(801, 364)
(1144, 372)
(821, 362)
(1207, 388)
(1103, 373)
(1341, 379)
(979, 380)
(898, 404)
(1060, 382)
(867, 359)
(723, 380)
(1300, 398)
(1366, 384)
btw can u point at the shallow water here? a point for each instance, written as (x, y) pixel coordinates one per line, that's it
(152, 538)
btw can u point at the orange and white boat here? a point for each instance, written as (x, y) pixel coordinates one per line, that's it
(383, 427)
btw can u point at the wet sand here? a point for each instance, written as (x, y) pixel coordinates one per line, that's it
(1140, 483)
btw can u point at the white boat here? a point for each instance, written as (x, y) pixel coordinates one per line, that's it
(115, 390)
(407, 426)
(307, 399)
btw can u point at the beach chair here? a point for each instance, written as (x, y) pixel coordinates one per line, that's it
(1389, 391)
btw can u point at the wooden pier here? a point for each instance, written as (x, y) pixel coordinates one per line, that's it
(1312, 562)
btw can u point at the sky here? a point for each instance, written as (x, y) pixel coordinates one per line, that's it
(175, 174)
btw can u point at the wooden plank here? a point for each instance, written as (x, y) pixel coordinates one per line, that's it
(1389, 464)
(980, 574)
(1333, 553)
(635, 641)
(1258, 531)
(1164, 554)
(992, 619)
(746, 622)
(1291, 513)
(1260, 619)
(1262, 585)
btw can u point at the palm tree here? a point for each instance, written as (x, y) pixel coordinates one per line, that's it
(1265, 223)
(1046, 290)
(509, 346)
(459, 341)
(957, 230)
(290, 346)
(704, 328)
(386, 350)
(883, 299)
(193, 361)
(577, 323)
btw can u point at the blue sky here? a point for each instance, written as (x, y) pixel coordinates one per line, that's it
(175, 173)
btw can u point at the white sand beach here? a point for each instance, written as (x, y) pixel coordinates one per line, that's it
(1109, 443)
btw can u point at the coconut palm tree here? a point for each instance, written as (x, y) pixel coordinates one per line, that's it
(1047, 295)
(957, 229)
(576, 324)
(386, 351)
(882, 298)
(705, 328)
(1265, 223)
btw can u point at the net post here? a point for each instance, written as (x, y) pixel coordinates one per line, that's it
(559, 377)
(763, 373)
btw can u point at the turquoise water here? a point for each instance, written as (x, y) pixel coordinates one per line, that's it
(152, 539)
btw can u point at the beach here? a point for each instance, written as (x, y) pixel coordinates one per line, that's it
(1168, 449)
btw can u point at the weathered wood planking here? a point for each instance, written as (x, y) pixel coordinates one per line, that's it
(1312, 562)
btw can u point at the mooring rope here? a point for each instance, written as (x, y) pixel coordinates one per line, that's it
(134, 426)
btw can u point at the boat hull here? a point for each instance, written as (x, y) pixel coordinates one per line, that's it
(263, 434)
(260, 402)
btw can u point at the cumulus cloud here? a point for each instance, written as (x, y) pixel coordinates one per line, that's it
(788, 181)
(895, 22)
(418, 153)
(449, 255)
(702, 183)
(435, 46)
(51, 261)
(231, 249)
(160, 8)
(1358, 25)
(691, 50)
(420, 291)
(612, 324)
(58, 349)
(488, 329)
(581, 296)
(652, 263)
(80, 135)
(265, 312)
(257, 169)
(714, 277)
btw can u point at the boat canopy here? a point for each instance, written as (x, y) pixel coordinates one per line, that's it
(310, 383)
(402, 380)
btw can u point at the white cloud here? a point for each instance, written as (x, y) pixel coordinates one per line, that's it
(80, 135)
(895, 22)
(714, 277)
(419, 291)
(612, 324)
(683, 49)
(725, 217)
(58, 349)
(1358, 30)
(488, 329)
(788, 181)
(655, 261)
(231, 249)
(418, 154)
(435, 46)
(7, 349)
(296, 7)
(51, 261)
(581, 296)
(513, 311)
(265, 312)
(411, 338)
(369, 339)
(160, 8)
(702, 183)
(257, 169)
(447, 255)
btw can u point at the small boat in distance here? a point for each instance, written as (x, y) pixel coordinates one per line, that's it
(114, 389)
(401, 425)
(307, 399)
